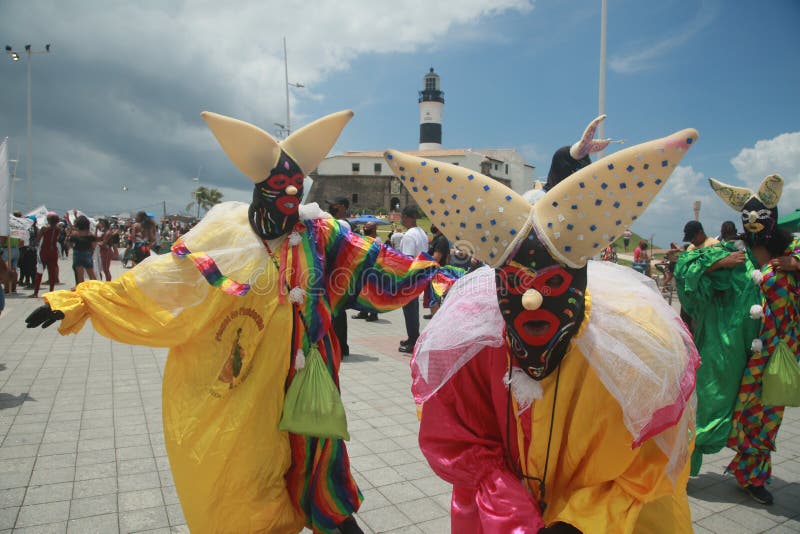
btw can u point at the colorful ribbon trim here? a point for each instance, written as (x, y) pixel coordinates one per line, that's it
(208, 268)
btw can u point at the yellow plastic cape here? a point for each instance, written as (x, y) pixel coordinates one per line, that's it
(224, 380)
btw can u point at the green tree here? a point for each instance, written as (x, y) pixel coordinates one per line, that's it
(205, 198)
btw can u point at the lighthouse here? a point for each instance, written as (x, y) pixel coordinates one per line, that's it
(431, 102)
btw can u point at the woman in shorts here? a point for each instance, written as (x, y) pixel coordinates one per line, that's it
(82, 242)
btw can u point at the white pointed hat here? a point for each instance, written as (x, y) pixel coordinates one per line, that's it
(256, 153)
(575, 219)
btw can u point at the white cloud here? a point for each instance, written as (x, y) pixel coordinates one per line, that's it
(642, 57)
(780, 155)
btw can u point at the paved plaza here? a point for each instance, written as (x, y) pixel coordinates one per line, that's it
(82, 447)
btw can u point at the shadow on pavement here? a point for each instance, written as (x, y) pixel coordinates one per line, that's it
(717, 488)
(357, 358)
(7, 400)
(3, 367)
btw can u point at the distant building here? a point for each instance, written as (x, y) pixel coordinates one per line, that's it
(366, 179)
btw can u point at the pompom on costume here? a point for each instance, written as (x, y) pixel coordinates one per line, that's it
(755, 425)
(554, 390)
(244, 296)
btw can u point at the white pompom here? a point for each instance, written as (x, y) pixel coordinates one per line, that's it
(756, 312)
(524, 388)
(295, 239)
(299, 359)
(297, 295)
(757, 276)
(757, 345)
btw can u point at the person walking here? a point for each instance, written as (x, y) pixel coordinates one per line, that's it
(105, 235)
(370, 231)
(626, 238)
(414, 242)
(82, 242)
(47, 239)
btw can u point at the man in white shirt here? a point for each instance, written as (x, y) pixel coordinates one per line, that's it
(414, 242)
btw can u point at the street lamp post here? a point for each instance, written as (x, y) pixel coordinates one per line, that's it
(288, 127)
(15, 57)
(602, 89)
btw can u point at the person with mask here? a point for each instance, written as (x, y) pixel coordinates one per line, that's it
(776, 254)
(557, 393)
(244, 301)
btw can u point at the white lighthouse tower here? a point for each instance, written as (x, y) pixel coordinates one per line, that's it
(431, 102)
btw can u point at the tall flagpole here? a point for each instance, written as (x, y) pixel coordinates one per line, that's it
(602, 90)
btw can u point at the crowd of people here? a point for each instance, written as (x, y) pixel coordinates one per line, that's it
(93, 243)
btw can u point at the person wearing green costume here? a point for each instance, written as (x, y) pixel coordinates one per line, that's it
(716, 294)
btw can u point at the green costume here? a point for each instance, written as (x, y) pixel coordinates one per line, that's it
(718, 303)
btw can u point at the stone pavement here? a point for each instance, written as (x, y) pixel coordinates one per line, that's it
(82, 448)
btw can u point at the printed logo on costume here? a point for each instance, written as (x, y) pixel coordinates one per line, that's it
(233, 337)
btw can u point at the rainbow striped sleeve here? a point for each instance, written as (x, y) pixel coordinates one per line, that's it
(363, 274)
(208, 268)
(443, 280)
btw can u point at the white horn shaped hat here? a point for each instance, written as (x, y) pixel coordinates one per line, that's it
(255, 152)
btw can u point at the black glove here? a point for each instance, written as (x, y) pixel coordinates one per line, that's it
(43, 315)
(560, 528)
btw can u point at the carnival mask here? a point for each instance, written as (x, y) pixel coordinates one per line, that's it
(759, 210)
(276, 168)
(758, 220)
(274, 209)
(543, 305)
(540, 253)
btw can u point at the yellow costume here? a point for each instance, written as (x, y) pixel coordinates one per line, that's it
(556, 390)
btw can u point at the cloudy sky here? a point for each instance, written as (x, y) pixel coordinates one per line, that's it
(117, 103)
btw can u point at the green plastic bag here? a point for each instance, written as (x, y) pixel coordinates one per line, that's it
(313, 406)
(781, 380)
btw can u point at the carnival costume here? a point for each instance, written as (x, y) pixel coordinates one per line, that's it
(755, 426)
(554, 392)
(718, 303)
(240, 301)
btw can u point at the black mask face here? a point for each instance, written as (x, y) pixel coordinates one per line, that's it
(274, 212)
(539, 338)
(758, 221)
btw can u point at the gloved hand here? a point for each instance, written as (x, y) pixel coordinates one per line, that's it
(43, 315)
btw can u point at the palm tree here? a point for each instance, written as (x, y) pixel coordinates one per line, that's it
(205, 198)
